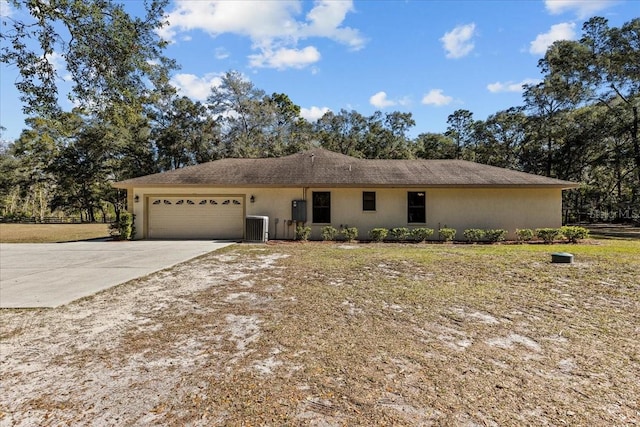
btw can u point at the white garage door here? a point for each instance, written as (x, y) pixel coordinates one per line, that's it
(196, 217)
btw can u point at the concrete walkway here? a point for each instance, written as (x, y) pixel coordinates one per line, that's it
(54, 274)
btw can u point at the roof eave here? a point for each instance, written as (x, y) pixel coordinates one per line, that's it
(562, 185)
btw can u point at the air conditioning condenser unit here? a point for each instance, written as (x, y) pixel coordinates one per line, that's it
(256, 228)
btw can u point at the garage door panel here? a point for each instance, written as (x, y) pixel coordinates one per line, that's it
(202, 217)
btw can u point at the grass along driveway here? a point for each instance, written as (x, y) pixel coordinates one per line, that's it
(333, 334)
(51, 233)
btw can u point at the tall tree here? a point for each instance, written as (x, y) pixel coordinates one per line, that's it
(501, 137)
(386, 136)
(343, 133)
(287, 132)
(434, 146)
(235, 104)
(35, 151)
(546, 107)
(110, 55)
(254, 124)
(460, 130)
(81, 171)
(185, 135)
(117, 70)
(8, 174)
(604, 67)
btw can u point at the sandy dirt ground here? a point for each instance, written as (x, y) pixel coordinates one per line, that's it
(74, 365)
(214, 342)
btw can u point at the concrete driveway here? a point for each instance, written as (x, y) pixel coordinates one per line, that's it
(54, 274)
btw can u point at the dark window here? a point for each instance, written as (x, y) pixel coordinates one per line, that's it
(321, 207)
(416, 207)
(368, 200)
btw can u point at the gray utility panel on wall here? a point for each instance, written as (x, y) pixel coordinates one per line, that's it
(299, 210)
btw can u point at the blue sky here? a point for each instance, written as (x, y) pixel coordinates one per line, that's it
(426, 57)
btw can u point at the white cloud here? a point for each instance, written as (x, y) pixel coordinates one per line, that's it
(510, 86)
(5, 9)
(195, 87)
(436, 97)
(285, 58)
(253, 19)
(314, 113)
(457, 42)
(582, 8)
(380, 100)
(274, 27)
(562, 31)
(324, 20)
(221, 53)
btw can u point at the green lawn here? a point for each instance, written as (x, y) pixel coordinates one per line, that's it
(51, 233)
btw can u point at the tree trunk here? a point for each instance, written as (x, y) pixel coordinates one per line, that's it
(549, 156)
(636, 146)
(13, 205)
(43, 204)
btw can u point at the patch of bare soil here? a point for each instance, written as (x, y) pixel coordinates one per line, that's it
(313, 334)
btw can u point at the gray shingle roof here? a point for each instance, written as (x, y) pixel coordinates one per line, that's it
(322, 168)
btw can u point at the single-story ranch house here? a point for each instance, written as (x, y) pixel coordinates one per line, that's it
(320, 187)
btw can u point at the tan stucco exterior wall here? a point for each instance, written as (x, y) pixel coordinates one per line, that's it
(508, 208)
(346, 209)
(463, 208)
(272, 202)
(459, 208)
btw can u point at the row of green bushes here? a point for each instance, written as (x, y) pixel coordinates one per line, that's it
(401, 234)
(549, 235)
(472, 235)
(328, 233)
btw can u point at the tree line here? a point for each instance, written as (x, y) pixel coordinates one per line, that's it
(580, 123)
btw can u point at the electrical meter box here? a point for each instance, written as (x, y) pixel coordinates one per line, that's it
(299, 210)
